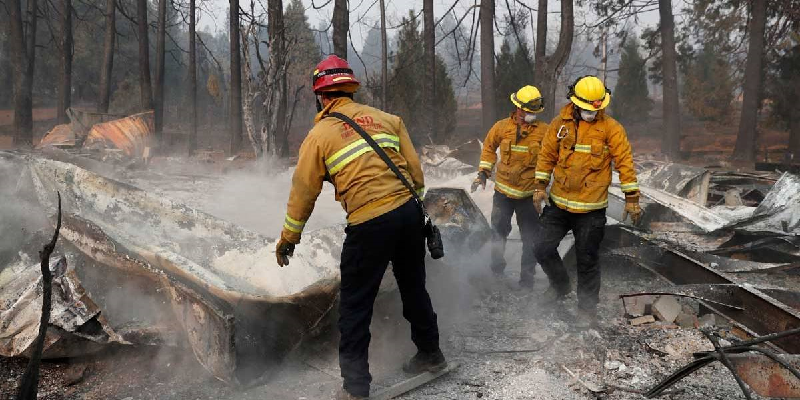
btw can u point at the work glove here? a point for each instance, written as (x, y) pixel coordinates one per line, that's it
(284, 251)
(632, 208)
(539, 197)
(479, 181)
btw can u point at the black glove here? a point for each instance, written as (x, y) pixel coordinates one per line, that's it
(479, 181)
(284, 251)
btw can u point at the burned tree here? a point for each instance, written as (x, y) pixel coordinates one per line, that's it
(108, 57)
(671, 140)
(23, 49)
(428, 88)
(547, 69)
(159, 86)
(341, 25)
(65, 83)
(29, 385)
(235, 117)
(264, 102)
(384, 57)
(745, 149)
(487, 64)
(145, 90)
(192, 77)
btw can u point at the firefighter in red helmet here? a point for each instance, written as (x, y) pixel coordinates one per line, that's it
(384, 222)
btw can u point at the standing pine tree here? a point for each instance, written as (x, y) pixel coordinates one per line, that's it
(709, 88)
(631, 97)
(512, 72)
(405, 87)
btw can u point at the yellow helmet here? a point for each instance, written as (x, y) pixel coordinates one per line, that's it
(589, 93)
(528, 99)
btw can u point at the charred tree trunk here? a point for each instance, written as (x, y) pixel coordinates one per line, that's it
(108, 57)
(276, 34)
(429, 87)
(794, 124)
(548, 68)
(540, 52)
(384, 58)
(28, 387)
(488, 114)
(65, 83)
(192, 78)
(746, 139)
(145, 90)
(23, 62)
(341, 24)
(235, 122)
(160, 60)
(671, 139)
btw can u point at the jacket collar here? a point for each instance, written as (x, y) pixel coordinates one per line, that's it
(332, 106)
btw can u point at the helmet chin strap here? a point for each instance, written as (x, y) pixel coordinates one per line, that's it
(319, 103)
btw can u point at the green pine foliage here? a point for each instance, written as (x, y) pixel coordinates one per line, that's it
(406, 82)
(708, 87)
(631, 98)
(780, 90)
(512, 72)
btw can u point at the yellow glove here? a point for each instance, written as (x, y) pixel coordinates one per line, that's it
(284, 251)
(632, 208)
(539, 197)
(479, 181)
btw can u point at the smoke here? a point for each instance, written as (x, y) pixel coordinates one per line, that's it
(22, 219)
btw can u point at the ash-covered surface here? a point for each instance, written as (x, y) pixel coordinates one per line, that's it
(508, 348)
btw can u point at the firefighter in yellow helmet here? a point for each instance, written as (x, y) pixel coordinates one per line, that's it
(578, 150)
(384, 221)
(518, 137)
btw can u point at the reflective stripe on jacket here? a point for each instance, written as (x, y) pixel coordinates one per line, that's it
(580, 161)
(519, 146)
(364, 184)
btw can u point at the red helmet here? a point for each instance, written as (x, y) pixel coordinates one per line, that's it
(333, 74)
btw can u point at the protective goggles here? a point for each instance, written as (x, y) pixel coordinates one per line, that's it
(595, 103)
(533, 105)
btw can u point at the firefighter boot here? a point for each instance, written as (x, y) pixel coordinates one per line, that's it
(343, 394)
(587, 319)
(425, 362)
(553, 295)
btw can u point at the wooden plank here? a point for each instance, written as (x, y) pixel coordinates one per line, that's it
(411, 383)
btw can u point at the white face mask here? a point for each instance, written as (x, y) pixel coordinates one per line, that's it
(588, 116)
(529, 118)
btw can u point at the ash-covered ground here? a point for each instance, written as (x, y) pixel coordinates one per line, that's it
(506, 348)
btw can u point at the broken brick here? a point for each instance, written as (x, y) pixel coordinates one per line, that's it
(687, 321)
(635, 306)
(666, 308)
(646, 319)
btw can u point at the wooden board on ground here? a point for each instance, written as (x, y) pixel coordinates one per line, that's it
(411, 383)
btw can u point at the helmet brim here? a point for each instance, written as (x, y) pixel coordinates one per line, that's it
(513, 99)
(588, 106)
(346, 87)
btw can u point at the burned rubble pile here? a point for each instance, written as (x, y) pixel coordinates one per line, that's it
(718, 251)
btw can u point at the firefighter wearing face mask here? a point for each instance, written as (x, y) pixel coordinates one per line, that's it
(518, 137)
(578, 150)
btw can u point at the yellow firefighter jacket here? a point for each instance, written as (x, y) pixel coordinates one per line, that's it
(364, 184)
(519, 146)
(580, 161)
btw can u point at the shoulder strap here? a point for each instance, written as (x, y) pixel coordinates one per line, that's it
(382, 154)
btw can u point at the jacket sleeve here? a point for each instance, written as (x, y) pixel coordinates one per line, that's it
(412, 159)
(306, 186)
(622, 155)
(489, 152)
(548, 156)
